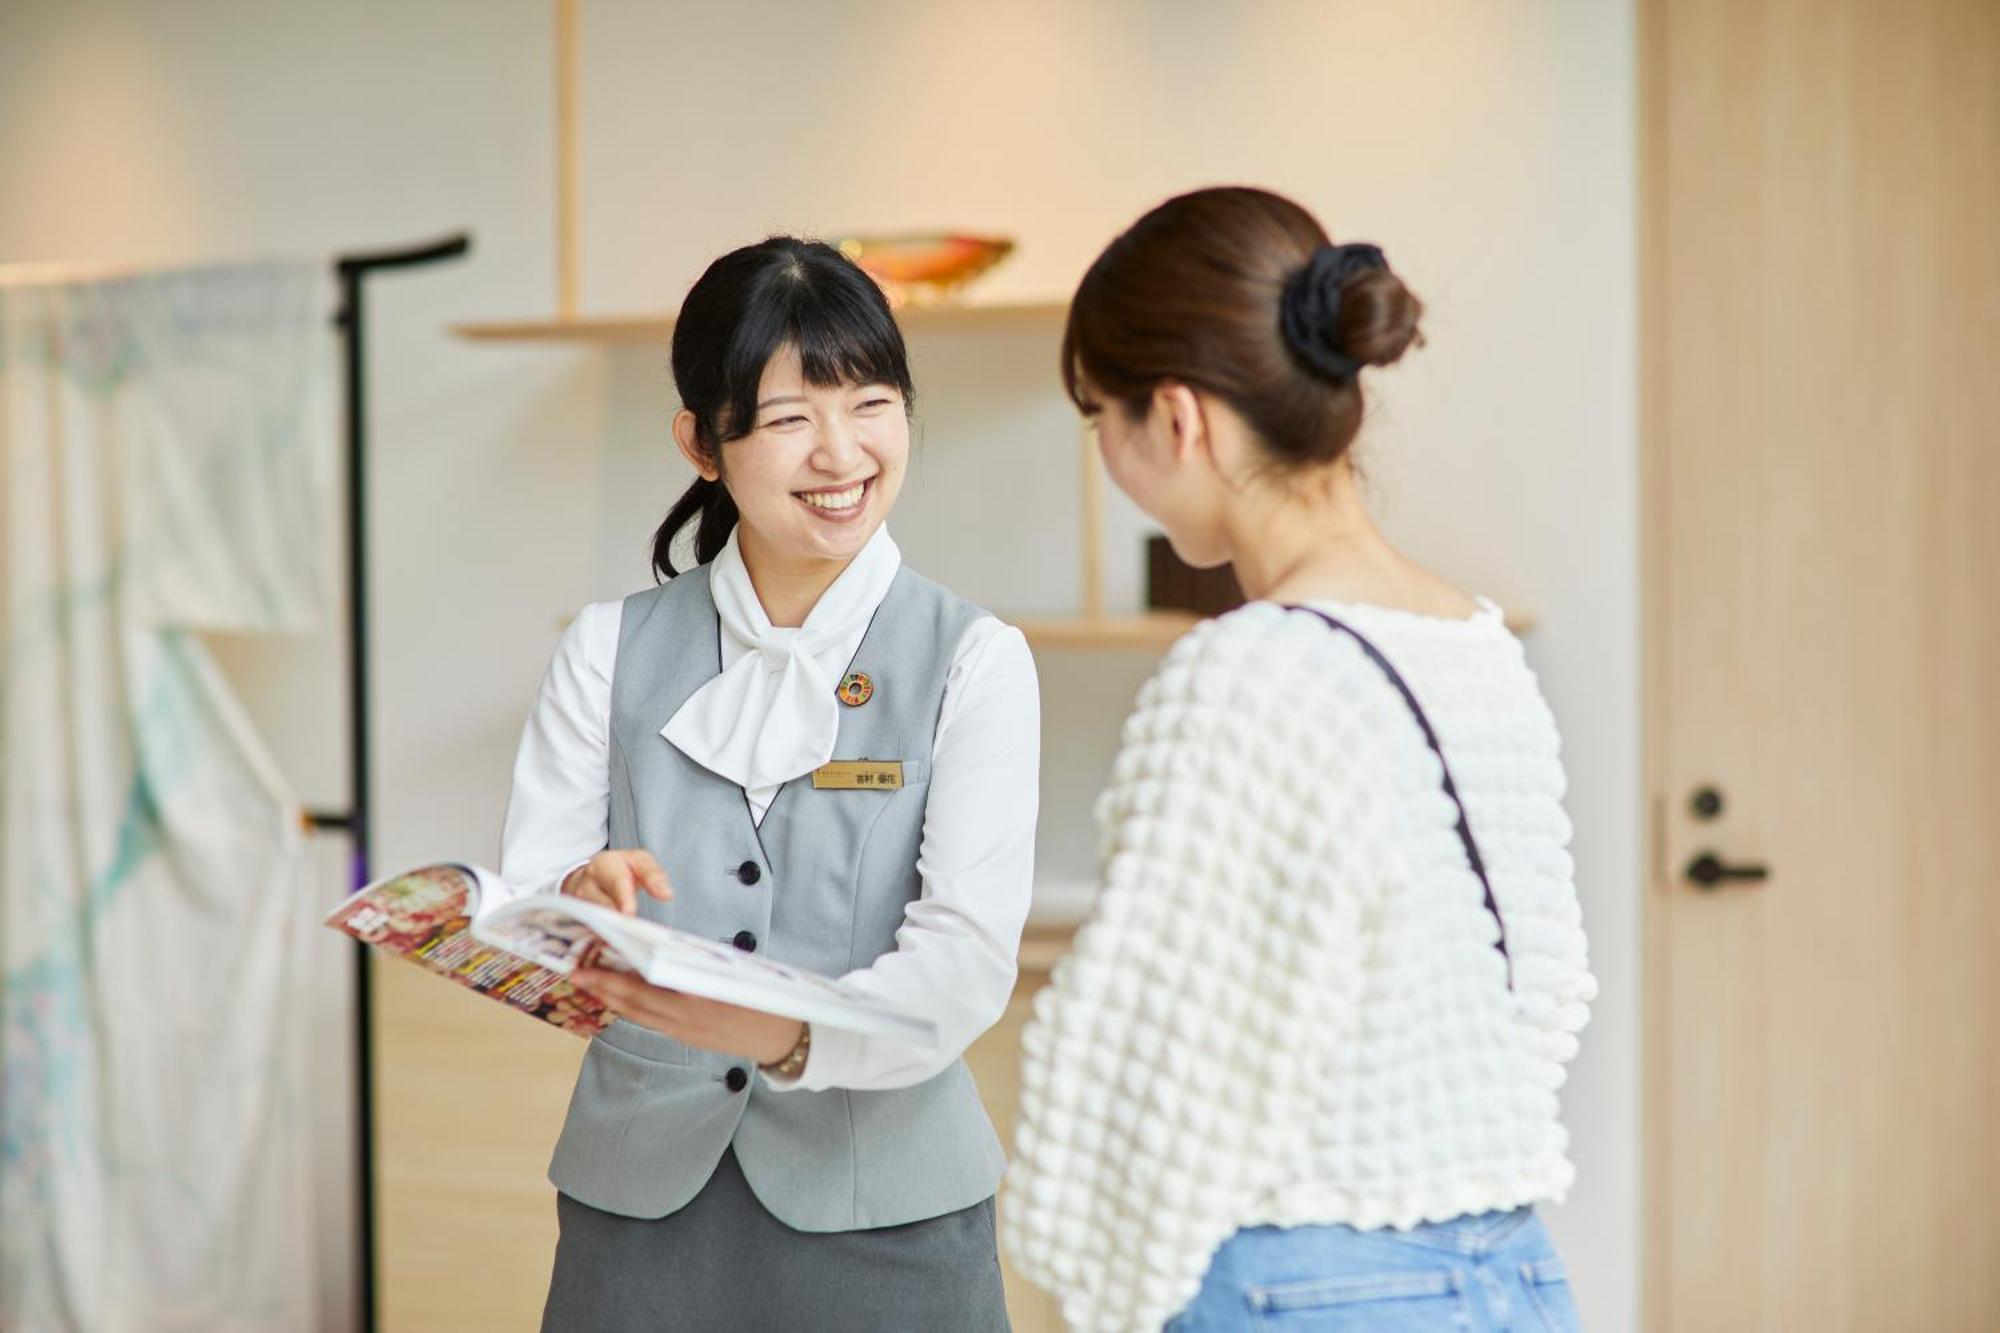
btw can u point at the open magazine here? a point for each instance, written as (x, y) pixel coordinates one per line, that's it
(457, 921)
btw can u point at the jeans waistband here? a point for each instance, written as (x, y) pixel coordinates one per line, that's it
(1474, 1234)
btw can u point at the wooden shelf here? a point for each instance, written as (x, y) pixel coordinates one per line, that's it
(657, 329)
(1152, 631)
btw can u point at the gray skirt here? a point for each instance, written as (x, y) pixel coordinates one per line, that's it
(723, 1262)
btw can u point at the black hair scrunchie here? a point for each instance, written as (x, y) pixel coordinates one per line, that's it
(1309, 310)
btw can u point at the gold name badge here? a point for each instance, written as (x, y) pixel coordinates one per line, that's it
(859, 775)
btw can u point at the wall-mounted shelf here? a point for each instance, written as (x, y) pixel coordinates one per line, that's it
(1092, 629)
(1151, 631)
(657, 329)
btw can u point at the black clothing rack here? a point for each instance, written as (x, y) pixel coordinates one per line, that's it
(352, 271)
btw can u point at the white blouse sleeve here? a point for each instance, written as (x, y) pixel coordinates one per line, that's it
(559, 811)
(1161, 1071)
(956, 952)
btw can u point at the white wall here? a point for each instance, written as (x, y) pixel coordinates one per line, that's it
(1490, 148)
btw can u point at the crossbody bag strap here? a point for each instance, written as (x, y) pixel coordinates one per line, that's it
(1472, 855)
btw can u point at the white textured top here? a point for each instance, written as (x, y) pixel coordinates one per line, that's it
(1288, 1008)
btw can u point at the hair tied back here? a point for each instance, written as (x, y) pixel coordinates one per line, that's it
(1309, 310)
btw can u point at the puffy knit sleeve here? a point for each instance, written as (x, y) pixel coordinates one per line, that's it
(1161, 1083)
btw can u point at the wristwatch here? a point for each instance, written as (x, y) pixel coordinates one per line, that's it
(794, 1064)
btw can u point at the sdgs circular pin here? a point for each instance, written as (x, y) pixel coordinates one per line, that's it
(855, 690)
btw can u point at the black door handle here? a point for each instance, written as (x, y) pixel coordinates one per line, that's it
(1709, 870)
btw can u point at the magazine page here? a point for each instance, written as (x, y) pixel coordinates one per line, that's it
(425, 916)
(553, 930)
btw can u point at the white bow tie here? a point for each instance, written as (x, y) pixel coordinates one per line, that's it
(770, 716)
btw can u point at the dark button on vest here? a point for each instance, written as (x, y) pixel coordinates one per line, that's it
(736, 1080)
(745, 941)
(749, 872)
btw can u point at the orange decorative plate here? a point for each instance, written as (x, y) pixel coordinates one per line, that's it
(925, 267)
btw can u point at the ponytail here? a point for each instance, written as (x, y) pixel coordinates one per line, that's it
(708, 501)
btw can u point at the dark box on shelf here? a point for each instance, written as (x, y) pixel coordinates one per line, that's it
(1174, 585)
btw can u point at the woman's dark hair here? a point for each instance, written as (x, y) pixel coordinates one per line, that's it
(1238, 292)
(750, 304)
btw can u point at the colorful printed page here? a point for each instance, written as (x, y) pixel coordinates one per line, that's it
(426, 915)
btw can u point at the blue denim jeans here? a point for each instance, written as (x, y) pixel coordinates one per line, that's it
(1494, 1273)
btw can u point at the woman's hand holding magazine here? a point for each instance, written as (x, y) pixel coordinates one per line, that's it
(561, 956)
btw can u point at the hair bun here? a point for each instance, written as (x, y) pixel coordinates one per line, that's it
(1335, 343)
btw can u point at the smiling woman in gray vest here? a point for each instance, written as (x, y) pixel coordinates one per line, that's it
(722, 1168)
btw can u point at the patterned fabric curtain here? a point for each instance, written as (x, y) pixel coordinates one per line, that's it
(165, 454)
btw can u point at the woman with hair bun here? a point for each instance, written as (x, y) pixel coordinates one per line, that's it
(1300, 1069)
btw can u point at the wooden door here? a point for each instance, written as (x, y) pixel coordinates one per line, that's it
(1822, 330)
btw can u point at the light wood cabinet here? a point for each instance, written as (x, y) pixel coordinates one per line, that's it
(468, 1100)
(995, 1060)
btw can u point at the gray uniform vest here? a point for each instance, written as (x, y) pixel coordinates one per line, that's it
(822, 884)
